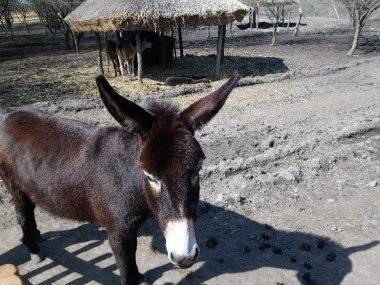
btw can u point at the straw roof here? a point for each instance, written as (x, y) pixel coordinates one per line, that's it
(114, 15)
(269, 2)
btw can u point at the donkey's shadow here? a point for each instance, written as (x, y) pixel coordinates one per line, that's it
(229, 242)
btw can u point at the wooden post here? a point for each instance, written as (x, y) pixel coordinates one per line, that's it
(139, 58)
(219, 50)
(224, 42)
(163, 50)
(180, 41)
(100, 58)
(118, 37)
(251, 18)
(75, 38)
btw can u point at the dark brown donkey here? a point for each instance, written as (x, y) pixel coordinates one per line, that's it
(113, 176)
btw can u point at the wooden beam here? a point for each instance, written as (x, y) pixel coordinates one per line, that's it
(180, 41)
(100, 58)
(219, 50)
(139, 58)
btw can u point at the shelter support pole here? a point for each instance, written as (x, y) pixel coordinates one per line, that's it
(219, 50)
(163, 50)
(180, 41)
(100, 58)
(224, 42)
(139, 57)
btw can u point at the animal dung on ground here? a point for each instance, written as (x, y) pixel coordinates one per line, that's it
(179, 80)
(247, 248)
(211, 243)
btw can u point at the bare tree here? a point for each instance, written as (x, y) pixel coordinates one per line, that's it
(22, 8)
(53, 12)
(6, 17)
(360, 11)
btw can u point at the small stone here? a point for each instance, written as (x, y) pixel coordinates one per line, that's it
(265, 236)
(372, 183)
(211, 243)
(321, 244)
(293, 259)
(277, 250)
(305, 246)
(308, 266)
(247, 248)
(242, 200)
(330, 257)
(306, 276)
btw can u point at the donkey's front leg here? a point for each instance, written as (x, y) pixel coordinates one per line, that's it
(124, 245)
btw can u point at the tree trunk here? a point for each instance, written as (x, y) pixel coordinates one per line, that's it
(139, 58)
(336, 11)
(224, 42)
(100, 58)
(356, 23)
(219, 51)
(251, 18)
(299, 22)
(275, 24)
(180, 42)
(257, 17)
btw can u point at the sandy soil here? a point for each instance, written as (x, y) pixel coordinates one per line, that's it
(290, 187)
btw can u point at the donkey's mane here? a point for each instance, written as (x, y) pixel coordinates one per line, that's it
(162, 108)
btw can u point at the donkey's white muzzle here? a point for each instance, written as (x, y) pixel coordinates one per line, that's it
(181, 243)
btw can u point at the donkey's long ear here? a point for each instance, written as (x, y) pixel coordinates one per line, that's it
(123, 110)
(202, 111)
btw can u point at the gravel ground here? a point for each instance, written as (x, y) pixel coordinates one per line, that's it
(290, 187)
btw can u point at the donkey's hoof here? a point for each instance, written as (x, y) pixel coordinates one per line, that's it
(9, 275)
(37, 257)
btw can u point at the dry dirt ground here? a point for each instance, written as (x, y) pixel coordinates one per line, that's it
(290, 187)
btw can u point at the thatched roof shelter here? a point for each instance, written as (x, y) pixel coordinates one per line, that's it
(157, 15)
(108, 16)
(267, 3)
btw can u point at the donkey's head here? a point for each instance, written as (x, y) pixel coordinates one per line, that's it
(170, 159)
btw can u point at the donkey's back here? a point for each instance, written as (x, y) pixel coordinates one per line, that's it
(63, 165)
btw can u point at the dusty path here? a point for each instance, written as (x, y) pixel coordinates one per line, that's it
(291, 191)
